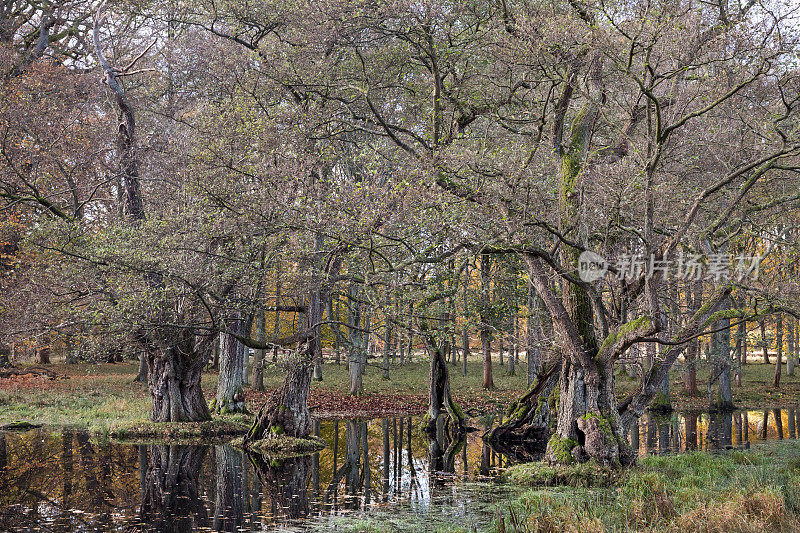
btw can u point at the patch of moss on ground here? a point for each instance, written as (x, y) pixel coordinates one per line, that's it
(174, 430)
(589, 474)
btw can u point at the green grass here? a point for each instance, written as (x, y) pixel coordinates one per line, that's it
(758, 490)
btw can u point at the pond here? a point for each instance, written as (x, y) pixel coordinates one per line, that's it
(375, 469)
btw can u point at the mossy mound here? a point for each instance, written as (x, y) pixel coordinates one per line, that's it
(175, 430)
(283, 445)
(588, 474)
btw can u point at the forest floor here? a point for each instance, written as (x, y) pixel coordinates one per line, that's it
(105, 396)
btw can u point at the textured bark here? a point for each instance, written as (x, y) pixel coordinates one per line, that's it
(172, 500)
(286, 410)
(142, 373)
(791, 348)
(588, 425)
(763, 328)
(486, 343)
(440, 401)
(260, 355)
(690, 373)
(230, 389)
(776, 381)
(174, 381)
(534, 335)
(465, 353)
(357, 343)
(524, 434)
(721, 365)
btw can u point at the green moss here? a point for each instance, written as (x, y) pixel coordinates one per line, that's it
(642, 322)
(561, 449)
(660, 401)
(605, 425)
(588, 474)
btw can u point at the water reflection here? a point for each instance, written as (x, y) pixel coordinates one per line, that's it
(680, 432)
(68, 481)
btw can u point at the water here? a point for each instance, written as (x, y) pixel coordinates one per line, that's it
(378, 469)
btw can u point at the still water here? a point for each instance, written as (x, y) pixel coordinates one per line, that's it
(67, 481)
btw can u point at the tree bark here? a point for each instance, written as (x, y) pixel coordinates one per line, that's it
(524, 434)
(142, 374)
(174, 380)
(230, 390)
(776, 381)
(791, 353)
(721, 364)
(486, 346)
(763, 327)
(357, 343)
(286, 411)
(260, 355)
(440, 401)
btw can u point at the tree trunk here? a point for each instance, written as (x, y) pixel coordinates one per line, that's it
(5, 356)
(588, 424)
(791, 348)
(142, 374)
(174, 381)
(763, 327)
(465, 349)
(690, 374)
(247, 331)
(387, 344)
(286, 410)
(524, 435)
(721, 365)
(534, 335)
(440, 401)
(276, 326)
(776, 381)
(316, 308)
(230, 391)
(488, 382)
(357, 344)
(261, 354)
(737, 375)
(44, 355)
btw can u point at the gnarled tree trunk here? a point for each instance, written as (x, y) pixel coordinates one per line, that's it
(440, 401)
(174, 381)
(286, 411)
(230, 389)
(524, 434)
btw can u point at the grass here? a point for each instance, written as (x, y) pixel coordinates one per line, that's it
(104, 396)
(754, 491)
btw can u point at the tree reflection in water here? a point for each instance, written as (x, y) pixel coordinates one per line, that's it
(171, 499)
(285, 482)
